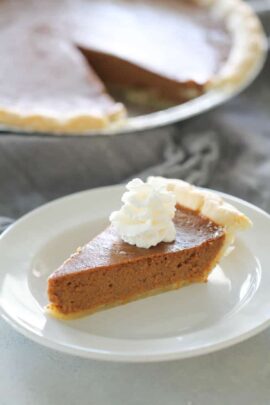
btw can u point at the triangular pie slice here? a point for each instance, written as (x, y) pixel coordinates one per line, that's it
(108, 272)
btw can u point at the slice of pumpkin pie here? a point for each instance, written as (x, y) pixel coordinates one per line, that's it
(167, 234)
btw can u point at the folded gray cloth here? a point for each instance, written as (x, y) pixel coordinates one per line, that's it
(227, 149)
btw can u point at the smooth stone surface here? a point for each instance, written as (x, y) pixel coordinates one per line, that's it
(32, 374)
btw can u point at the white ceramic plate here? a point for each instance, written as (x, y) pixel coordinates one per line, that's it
(232, 306)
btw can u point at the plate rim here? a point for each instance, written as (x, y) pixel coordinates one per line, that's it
(124, 357)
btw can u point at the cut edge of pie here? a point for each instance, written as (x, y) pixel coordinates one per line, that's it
(52, 309)
(225, 219)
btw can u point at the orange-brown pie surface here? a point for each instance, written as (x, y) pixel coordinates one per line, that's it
(108, 271)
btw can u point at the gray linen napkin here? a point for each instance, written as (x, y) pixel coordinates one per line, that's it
(226, 149)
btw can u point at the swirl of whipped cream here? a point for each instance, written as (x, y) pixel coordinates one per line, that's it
(145, 219)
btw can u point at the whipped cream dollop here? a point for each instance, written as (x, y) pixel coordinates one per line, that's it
(146, 217)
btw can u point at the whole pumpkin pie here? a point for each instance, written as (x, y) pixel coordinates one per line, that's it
(59, 58)
(147, 253)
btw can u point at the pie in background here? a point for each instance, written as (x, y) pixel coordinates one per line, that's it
(60, 59)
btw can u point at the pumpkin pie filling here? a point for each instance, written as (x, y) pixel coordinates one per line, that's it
(112, 270)
(108, 271)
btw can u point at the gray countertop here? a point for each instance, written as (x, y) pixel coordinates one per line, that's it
(34, 375)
